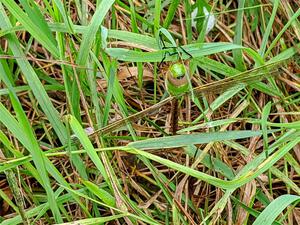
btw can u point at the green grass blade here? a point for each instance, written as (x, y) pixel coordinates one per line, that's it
(188, 23)
(39, 31)
(237, 54)
(82, 136)
(286, 26)
(171, 13)
(33, 81)
(24, 133)
(157, 11)
(187, 139)
(268, 29)
(157, 56)
(264, 120)
(90, 34)
(268, 216)
(67, 20)
(105, 196)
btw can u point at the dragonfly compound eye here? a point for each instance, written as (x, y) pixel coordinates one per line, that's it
(176, 80)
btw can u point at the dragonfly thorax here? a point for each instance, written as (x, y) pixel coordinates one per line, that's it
(176, 79)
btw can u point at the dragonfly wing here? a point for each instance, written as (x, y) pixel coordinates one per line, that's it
(132, 118)
(248, 77)
(225, 84)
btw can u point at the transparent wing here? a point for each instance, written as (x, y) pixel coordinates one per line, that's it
(248, 77)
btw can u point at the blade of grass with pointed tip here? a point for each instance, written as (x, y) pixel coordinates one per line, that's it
(255, 163)
(19, 132)
(193, 139)
(206, 49)
(268, 29)
(237, 53)
(171, 13)
(22, 130)
(248, 173)
(105, 196)
(282, 31)
(93, 27)
(82, 136)
(138, 39)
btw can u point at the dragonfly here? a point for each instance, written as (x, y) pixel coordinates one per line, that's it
(248, 77)
(176, 79)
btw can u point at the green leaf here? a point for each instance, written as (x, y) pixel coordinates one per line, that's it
(106, 197)
(237, 53)
(66, 17)
(189, 139)
(84, 140)
(264, 120)
(33, 23)
(90, 34)
(268, 216)
(196, 50)
(171, 12)
(33, 80)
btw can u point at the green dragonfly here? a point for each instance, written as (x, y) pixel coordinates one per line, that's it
(177, 79)
(249, 77)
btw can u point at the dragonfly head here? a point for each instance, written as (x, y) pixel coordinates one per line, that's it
(177, 70)
(176, 80)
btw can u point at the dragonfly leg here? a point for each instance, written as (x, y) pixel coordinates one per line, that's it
(182, 49)
(163, 46)
(169, 54)
(163, 59)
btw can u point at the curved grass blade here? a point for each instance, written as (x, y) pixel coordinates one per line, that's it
(247, 174)
(273, 210)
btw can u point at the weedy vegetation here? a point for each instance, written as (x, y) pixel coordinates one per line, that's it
(149, 112)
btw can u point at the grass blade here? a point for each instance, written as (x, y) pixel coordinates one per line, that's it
(268, 216)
